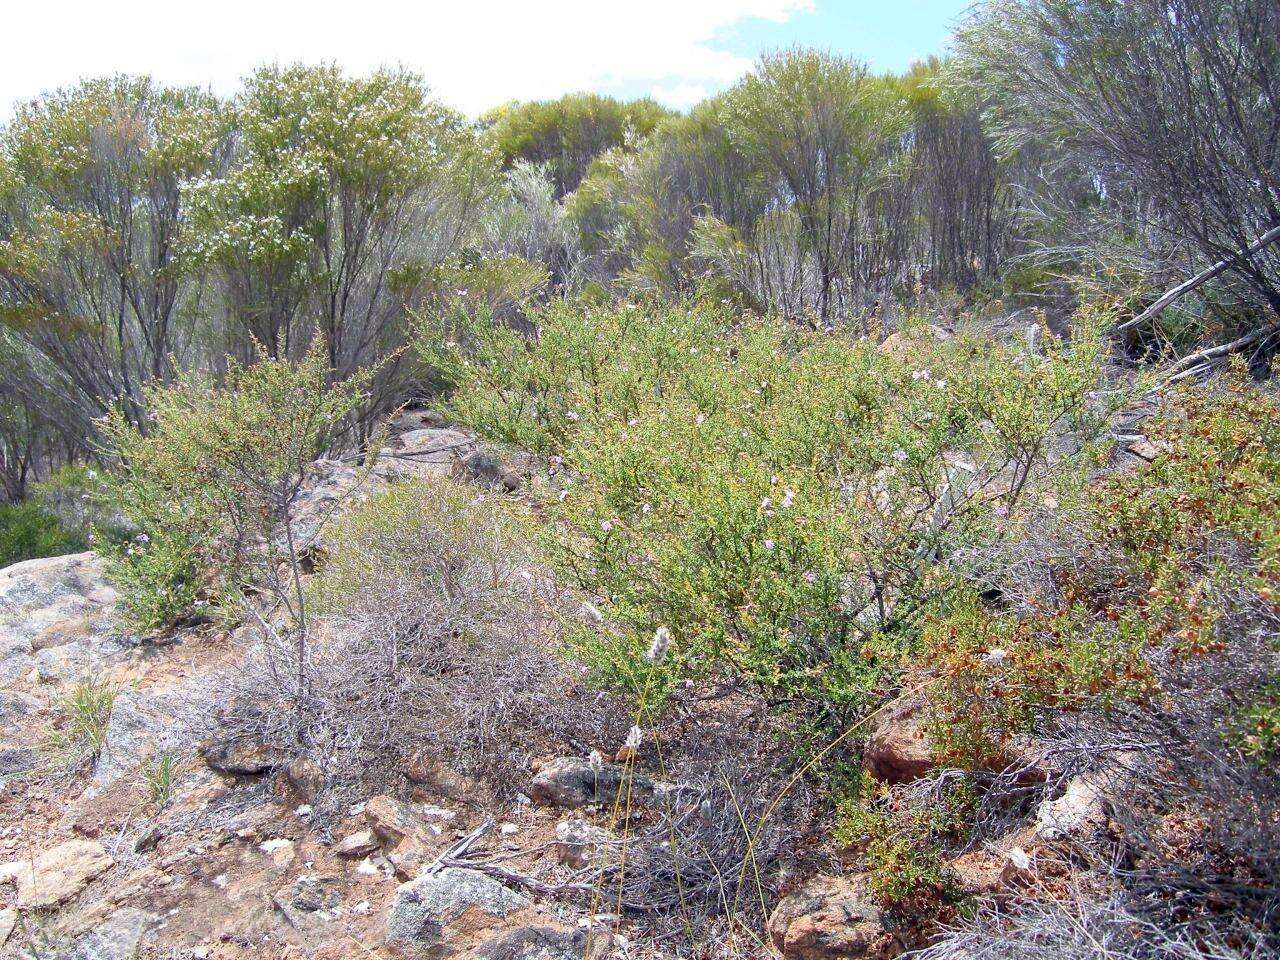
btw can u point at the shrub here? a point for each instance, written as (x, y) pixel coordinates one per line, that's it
(28, 531)
(210, 484)
(787, 502)
(432, 641)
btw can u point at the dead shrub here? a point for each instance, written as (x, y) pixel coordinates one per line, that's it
(433, 635)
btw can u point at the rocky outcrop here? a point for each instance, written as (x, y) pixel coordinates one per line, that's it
(832, 918)
(424, 908)
(545, 943)
(56, 619)
(147, 723)
(56, 875)
(119, 937)
(425, 453)
(573, 782)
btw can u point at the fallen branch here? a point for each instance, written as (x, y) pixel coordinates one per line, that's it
(1201, 278)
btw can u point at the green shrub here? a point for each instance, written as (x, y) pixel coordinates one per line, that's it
(899, 847)
(210, 483)
(80, 497)
(28, 531)
(788, 503)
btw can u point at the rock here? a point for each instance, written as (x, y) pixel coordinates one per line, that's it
(572, 783)
(1019, 868)
(1078, 813)
(305, 902)
(56, 875)
(119, 937)
(15, 761)
(544, 943)
(424, 453)
(422, 908)
(8, 920)
(898, 750)
(304, 777)
(577, 842)
(390, 820)
(831, 918)
(979, 872)
(239, 756)
(357, 846)
(329, 484)
(147, 723)
(56, 616)
(484, 468)
(16, 707)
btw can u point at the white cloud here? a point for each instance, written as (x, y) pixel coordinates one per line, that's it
(680, 95)
(474, 54)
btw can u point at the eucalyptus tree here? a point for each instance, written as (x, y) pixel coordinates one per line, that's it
(1173, 101)
(342, 199)
(829, 131)
(91, 219)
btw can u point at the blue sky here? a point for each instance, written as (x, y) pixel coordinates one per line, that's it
(475, 54)
(889, 35)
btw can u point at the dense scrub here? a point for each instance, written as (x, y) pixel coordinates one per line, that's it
(825, 435)
(788, 504)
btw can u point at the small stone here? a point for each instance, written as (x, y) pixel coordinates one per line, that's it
(358, 845)
(577, 841)
(391, 820)
(898, 750)
(238, 756)
(573, 782)
(1079, 812)
(832, 918)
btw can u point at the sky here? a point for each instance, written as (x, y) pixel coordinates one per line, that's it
(474, 54)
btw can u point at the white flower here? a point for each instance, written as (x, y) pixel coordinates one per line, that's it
(768, 545)
(606, 525)
(996, 655)
(900, 456)
(572, 416)
(788, 498)
(634, 737)
(657, 651)
(645, 508)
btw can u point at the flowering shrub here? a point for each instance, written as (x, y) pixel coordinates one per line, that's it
(787, 502)
(1182, 560)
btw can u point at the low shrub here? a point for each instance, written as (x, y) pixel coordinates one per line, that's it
(788, 503)
(433, 637)
(28, 531)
